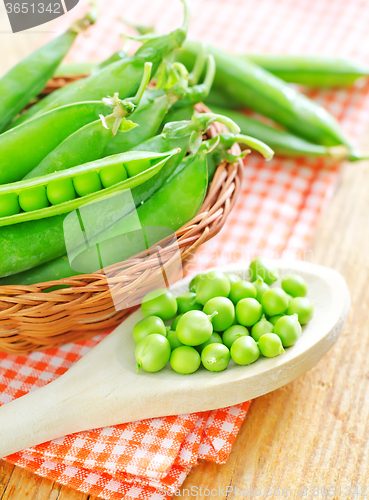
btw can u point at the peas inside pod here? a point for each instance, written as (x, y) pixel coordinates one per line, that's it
(222, 320)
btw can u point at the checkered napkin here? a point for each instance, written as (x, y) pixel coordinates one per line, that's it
(275, 215)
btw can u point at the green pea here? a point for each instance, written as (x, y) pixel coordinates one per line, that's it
(270, 345)
(9, 205)
(160, 303)
(303, 308)
(225, 312)
(194, 281)
(294, 285)
(214, 339)
(248, 312)
(288, 330)
(33, 199)
(244, 351)
(173, 340)
(194, 328)
(233, 278)
(274, 319)
(242, 290)
(262, 267)
(60, 191)
(185, 360)
(187, 302)
(233, 333)
(135, 167)
(274, 301)
(261, 287)
(215, 357)
(148, 326)
(210, 285)
(110, 176)
(175, 321)
(152, 353)
(260, 328)
(88, 183)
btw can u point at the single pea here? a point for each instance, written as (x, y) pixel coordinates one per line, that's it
(233, 278)
(261, 287)
(110, 176)
(274, 301)
(210, 285)
(9, 205)
(294, 285)
(274, 319)
(225, 310)
(188, 302)
(260, 328)
(270, 345)
(214, 339)
(160, 303)
(152, 353)
(173, 340)
(242, 290)
(233, 333)
(33, 199)
(194, 328)
(135, 167)
(185, 359)
(244, 351)
(303, 308)
(60, 191)
(215, 357)
(194, 281)
(175, 321)
(88, 183)
(148, 326)
(248, 312)
(288, 330)
(262, 267)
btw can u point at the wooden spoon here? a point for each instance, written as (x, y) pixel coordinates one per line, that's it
(103, 388)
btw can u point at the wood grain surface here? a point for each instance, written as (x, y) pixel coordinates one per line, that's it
(315, 430)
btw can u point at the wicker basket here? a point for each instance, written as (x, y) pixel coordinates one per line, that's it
(31, 319)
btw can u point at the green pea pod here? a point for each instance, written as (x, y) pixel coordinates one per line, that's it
(312, 71)
(26, 80)
(258, 89)
(122, 76)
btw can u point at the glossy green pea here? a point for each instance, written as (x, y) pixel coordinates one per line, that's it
(194, 281)
(135, 167)
(110, 176)
(233, 333)
(188, 302)
(185, 359)
(260, 328)
(303, 308)
(242, 290)
(87, 183)
(33, 199)
(248, 312)
(215, 357)
(274, 301)
(263, 268)
(194, 328)
(294, 285)
(274, 319)
(160, 303)
(270, 345)
(173, 340)
(9, 205)
(245, 351)
(261, 287)
(288, 330)
(210, 285)
(60, 191)
(233, 278)
(214, 339)
(152, 353)
(148, 326)
(225, 310)
(175, 321)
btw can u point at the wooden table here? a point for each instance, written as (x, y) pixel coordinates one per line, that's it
(312, 432)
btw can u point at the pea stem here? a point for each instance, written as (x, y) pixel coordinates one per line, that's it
(259, 146)
(198, 68)
(144, 82)
(211, 316)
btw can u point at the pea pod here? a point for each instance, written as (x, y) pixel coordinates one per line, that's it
(258, 89)
(26, 80)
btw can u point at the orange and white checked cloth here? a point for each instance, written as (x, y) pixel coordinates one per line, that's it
(275, 215)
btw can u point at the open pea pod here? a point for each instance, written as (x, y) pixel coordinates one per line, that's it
(141, 165)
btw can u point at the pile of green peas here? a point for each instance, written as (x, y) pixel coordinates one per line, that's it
(222, 318)
(67, 189)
